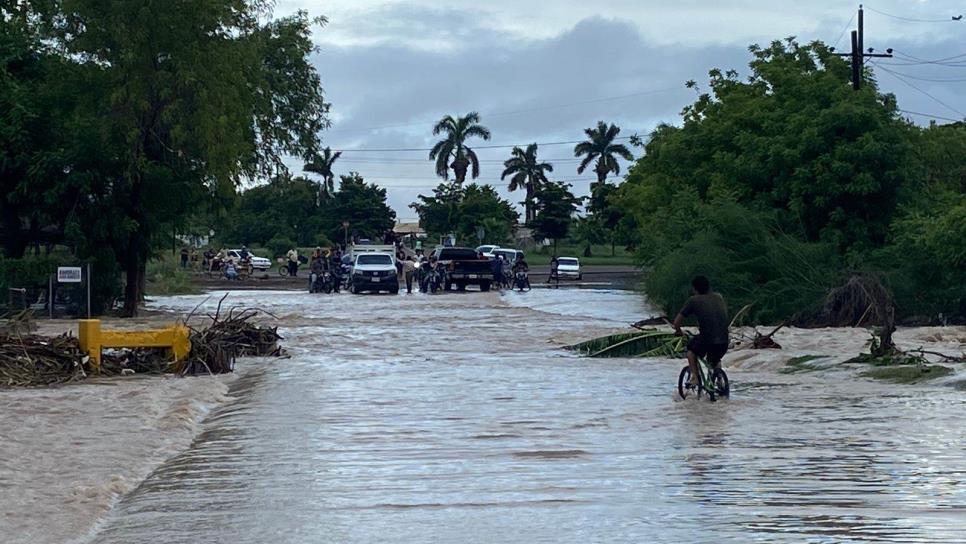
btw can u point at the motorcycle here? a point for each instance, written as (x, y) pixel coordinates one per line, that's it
(521, 280)
(321, 283)
(433, 281)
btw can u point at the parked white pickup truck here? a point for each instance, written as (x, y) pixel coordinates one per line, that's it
(373, 269)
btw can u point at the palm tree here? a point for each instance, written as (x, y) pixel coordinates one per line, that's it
(600, 146)
(453, 146)
(322, 165)
(527, 173)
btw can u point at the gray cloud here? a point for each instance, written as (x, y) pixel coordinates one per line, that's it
(392, 69)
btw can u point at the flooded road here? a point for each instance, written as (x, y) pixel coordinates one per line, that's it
(457, 418)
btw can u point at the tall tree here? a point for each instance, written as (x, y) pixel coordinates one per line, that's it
(527, 173)
(321, 164)
(600, 146)
(461, 210)
(555, 208)
(363, 205)
(201, 97)
(453, 146)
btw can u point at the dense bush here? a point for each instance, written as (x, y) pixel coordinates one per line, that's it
(783, 186)
(751, 261)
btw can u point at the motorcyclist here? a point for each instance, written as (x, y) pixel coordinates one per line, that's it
(335, 267)
(521, 267)
(316, 271)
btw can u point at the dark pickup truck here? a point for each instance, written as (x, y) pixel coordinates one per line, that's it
(463, 268)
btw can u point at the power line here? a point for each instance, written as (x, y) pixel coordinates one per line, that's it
(428, 149)
(933, 61)
(930, 80)
(844, 30)
(932, 116)
(903, 80)
(399, 160)
(517, 112)
(914, 20)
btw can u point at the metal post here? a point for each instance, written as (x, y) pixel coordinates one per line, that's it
(50, 296)
(88, 290)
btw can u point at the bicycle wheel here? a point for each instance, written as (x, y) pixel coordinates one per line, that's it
(283, 270)
(721, 385)
(683, 380)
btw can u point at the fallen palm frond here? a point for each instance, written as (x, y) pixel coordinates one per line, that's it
(37, 360)
(645, 343)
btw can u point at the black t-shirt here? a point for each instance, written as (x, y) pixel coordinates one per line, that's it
(712, 315)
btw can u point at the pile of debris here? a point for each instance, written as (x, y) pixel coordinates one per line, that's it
(30, 360)
(215, 347)
(38, 360)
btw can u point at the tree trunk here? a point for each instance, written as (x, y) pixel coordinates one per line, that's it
(460, 165)
(132, 271)
(14, 243)
(613, 248)
(528, 205)
(601, 171)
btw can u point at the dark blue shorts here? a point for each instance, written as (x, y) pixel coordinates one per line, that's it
(713, 352)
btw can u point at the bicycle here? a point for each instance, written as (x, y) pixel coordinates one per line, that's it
(712, 380)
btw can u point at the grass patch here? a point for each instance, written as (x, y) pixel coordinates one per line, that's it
(601, 255)
(907, 374)
(165, 277)
(796, 365)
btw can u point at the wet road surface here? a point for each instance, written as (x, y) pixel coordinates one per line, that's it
(457, 418)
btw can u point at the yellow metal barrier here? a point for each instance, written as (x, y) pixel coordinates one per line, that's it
(93, 339)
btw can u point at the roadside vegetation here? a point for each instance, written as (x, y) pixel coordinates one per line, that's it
(791, 191)
(785, 186)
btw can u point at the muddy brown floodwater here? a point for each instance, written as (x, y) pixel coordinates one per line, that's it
(457, 418)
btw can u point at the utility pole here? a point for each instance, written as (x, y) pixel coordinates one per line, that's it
(859, 53)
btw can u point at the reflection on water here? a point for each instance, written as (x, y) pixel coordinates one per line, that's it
(451, 419)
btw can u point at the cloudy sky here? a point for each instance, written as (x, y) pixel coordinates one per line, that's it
(543, 70)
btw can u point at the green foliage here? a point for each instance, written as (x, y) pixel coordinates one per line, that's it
(588, 231)
(600, 146)
(363, 205)
(749, 260)
(288, 212)
(460, 210)
(555, 209)
(160, 117)
(453, 147)
(927, 263)
(794, 138)
(778, 185)
(165, 277)
(649, 343)
(279, 245)
(526, 173)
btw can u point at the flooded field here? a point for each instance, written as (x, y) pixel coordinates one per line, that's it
(457, 418)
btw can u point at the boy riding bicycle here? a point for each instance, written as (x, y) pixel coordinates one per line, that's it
(712, 314)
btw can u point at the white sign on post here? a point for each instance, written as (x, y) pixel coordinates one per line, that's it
(69, 274)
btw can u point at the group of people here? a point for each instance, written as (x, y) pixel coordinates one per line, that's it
(323, 264)
(220, 262)
(428, 274)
